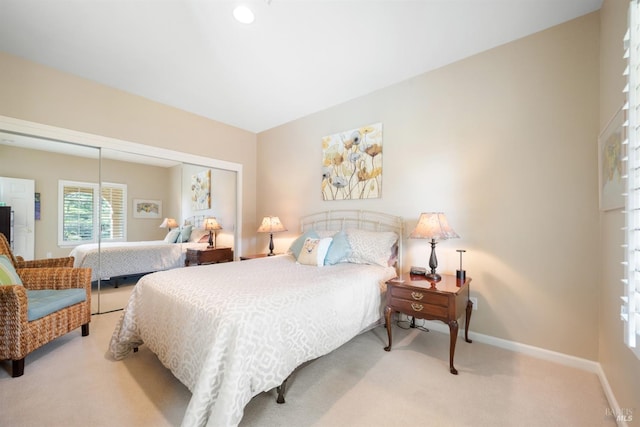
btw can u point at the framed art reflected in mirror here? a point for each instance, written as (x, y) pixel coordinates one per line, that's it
(146, 208)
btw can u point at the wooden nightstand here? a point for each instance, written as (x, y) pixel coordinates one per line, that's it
(253, 256)
(446, 300)
(208, 256)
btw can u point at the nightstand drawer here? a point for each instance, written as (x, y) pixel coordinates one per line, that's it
(420, 309)
(419, 295)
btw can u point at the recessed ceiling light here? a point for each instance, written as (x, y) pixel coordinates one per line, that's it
(243, 14)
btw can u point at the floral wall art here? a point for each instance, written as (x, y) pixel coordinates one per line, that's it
(611, 151)
(201, 190)
(352, 164)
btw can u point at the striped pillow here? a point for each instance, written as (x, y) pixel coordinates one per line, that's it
(8, 275)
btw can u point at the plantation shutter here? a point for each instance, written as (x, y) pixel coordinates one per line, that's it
(113, 212)
(630, 309)
(77, 213)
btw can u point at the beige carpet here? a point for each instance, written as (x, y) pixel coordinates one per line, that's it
(73, 381)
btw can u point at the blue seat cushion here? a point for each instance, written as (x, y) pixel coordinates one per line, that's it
(47, 301)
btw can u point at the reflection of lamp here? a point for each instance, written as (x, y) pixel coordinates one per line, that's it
(212, 225)
(169, 223)
(434, 226)
(271, 224)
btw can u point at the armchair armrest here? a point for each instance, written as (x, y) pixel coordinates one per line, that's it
(56, 278)
(45, 262)
(13, 300)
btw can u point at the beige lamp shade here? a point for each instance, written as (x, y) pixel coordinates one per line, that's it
(271, 224)
(212, 224)
(169, 223)
(433, 225)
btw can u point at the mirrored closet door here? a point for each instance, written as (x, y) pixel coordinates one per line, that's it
(112, 197)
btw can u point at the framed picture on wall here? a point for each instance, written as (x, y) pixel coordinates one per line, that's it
(352, 164)
(611, 151)
(146, 208)
(201, 190)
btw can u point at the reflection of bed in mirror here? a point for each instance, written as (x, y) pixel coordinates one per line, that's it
(114, 260)
(231, 331)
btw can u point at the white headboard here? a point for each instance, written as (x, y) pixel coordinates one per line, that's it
(196, 220)
(361, 219)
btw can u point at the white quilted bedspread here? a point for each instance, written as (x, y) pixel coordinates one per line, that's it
(230, 331)
(126, 258)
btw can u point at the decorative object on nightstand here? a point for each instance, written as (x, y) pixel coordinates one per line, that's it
(461, 275)
(211, 225)
(169, 223)
(271, 224)
(434, 226)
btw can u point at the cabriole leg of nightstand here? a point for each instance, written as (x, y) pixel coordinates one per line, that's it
(466, 325)
(387, 319)
(453, 331)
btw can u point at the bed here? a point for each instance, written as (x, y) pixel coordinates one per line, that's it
(112, 260)
(231, 331)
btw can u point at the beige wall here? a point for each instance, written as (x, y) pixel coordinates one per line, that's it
(40, 94)
(620, 365)
(504, 143)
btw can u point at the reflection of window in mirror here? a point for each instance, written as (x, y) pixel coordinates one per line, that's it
(80, 221)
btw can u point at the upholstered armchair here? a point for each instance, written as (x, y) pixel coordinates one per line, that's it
(49, 303)
(18, 262)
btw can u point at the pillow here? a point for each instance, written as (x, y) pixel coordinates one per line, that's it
(185, 233)
(8, 275)
(197, 233)
(314, 251)
(371, 247)
(172, 236)
(339, 250)
(296, 246)
(204, 238)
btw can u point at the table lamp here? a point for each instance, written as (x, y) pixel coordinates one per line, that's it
(271, 224)
(434, 226)
(169, 223)
(211, 224)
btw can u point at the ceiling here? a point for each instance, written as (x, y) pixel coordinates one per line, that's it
(297, 58)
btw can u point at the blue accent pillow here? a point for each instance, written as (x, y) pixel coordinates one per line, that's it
(339, 250)
(297, 244)
(185, 233)
(8, 275)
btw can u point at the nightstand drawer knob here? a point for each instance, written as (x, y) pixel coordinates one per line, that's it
(416, 306)
(416, 296)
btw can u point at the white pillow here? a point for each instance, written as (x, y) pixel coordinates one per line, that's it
(172, 236)
(371, 247)
(313, 251)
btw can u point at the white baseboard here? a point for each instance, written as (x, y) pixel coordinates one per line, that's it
(541, 353)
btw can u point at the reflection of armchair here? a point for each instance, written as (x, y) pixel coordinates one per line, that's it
(49, 303)
(18, 262)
